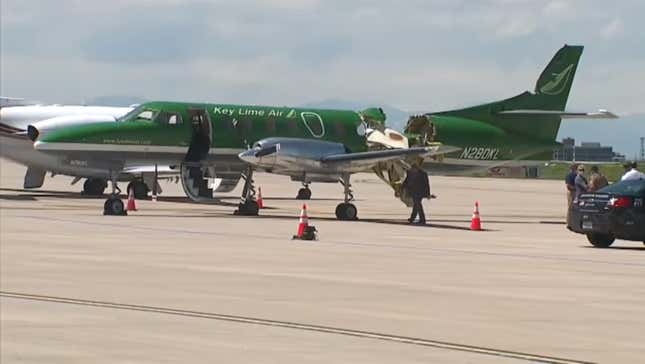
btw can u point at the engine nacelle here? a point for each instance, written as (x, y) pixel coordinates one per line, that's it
(282, 155)
(48, 125)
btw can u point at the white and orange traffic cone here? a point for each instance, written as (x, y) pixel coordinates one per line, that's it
(476, 223)
(132, 205)
(305, 232)
(259, 200)
(304, 221)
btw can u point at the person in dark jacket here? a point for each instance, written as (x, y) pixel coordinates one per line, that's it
(581, 183)
(418, 187)
(570, 182)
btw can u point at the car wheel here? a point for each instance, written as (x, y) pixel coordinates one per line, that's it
(600, 240)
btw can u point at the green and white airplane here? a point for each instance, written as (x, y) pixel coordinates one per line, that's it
(203, 141)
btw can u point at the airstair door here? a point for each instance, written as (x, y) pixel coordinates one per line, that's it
(202, 136)
(194, 175)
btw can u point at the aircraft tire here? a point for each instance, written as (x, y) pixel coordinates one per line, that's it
(140, 189)
(346, 211)
(94, 187)
(304, 194)
(114, 207)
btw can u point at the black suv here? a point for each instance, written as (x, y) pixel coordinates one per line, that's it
(615, 211)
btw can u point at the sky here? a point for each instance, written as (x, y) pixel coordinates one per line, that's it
(414, 55)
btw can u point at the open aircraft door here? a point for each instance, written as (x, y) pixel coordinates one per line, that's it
(196, 178)
(202, 136)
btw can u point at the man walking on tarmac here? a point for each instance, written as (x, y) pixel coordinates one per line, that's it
(417, 185)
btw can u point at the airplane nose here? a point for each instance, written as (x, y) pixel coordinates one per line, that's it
(249, 156)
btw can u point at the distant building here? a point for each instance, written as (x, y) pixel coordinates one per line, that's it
(586, 151)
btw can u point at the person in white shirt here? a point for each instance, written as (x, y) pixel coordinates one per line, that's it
(631, 173)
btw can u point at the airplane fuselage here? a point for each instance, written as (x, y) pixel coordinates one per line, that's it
(15, 145)
(235, 128)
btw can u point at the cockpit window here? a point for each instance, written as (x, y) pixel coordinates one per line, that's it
(140, 113)
(168, 118)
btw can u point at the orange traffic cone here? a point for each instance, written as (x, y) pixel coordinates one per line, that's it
(132, 205)
(304, 221)
(475, 223)
(259, 200)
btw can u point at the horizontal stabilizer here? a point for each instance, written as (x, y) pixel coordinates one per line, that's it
(600, 114)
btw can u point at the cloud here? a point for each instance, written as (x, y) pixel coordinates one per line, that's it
(612, 30)
(416, 55)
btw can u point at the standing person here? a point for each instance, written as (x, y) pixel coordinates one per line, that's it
(417, 185)
(570, 183)
(597, 180)
(631, 173)
(581, 183)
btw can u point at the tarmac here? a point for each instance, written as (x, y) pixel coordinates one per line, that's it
(180, 282)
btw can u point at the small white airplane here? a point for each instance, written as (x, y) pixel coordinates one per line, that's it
(19, 117)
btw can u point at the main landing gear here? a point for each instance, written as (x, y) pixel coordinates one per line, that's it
(346, 210)
(139, 188)
(94, 187)
(248, 206)
(304, 193)
(114, 205)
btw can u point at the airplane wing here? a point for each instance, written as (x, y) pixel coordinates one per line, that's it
(355, 162)
(165, 169)
(600, 114)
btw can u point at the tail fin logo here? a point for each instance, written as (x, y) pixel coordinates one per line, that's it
(558, 83)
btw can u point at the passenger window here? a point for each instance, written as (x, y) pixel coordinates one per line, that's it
(174, 119)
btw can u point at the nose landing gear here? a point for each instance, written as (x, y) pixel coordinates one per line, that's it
(346, 210)
(304, 193)
(114, 205)
(248, 206)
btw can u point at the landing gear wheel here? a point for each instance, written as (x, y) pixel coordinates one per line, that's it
(114, 207)
(600, 240)
(304, 194)
(346, 211)
(94, 187)
(140, 189)
(248, 208)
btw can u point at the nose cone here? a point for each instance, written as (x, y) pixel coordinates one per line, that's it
(249, 157)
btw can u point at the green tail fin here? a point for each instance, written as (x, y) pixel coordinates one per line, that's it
(551, 94)
(555, 81)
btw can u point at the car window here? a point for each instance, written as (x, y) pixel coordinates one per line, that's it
(626, 188)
